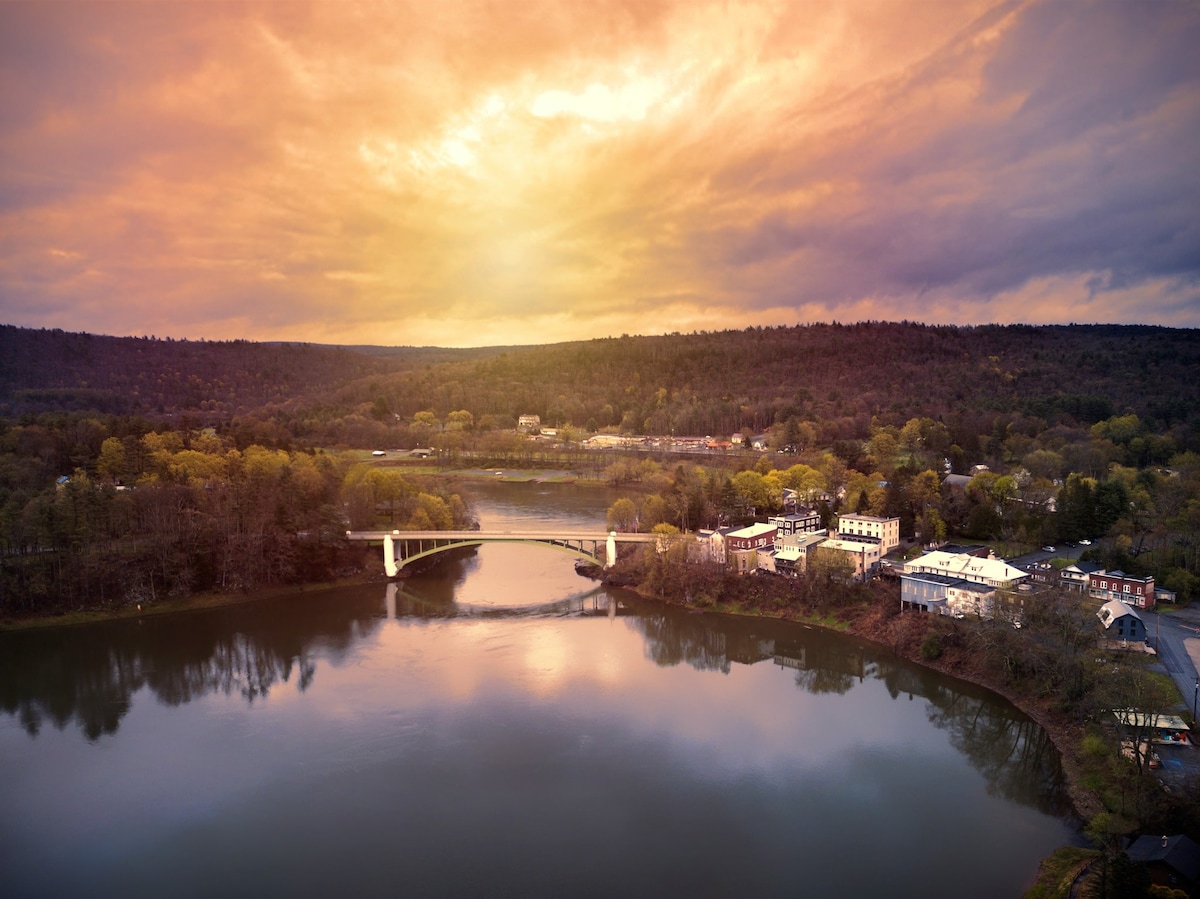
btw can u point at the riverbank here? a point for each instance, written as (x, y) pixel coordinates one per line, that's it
(190, 603)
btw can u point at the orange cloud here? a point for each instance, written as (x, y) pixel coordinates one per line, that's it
(473, 174)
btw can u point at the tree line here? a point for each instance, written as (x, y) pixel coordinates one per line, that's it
(166, 513)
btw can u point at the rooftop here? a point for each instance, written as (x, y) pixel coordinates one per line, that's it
(757, 529)
(965, 566)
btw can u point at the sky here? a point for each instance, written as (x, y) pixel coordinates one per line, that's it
(480, 174)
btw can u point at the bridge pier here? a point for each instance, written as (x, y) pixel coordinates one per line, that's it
(610, 547)
(389, 554)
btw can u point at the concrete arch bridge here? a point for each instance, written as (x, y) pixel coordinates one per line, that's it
(403, 547)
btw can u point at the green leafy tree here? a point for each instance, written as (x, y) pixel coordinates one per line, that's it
(757, 492)
(622, 515)
(112, 461)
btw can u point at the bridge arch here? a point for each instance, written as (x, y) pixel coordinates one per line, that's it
(593, 556)
(402, 547)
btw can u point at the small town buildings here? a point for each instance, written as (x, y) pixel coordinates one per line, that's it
(958, 584)
(710, 545)
(608, 441)
(968, 599)
(884, 530)
(529, 423)
(991, 571)
(742, 545)
(924, 591)
(1041, 573)
(1136, 591)
(798, 522)
(795, 501)
(1121, 622)
(946, 595)
(790, 556)
(1078, 575)
(863, 553)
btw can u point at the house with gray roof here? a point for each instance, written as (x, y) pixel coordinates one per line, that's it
(1121, 622)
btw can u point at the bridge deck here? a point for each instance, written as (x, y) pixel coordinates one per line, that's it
(492, 536)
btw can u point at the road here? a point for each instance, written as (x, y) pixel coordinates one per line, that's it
(1175, 634)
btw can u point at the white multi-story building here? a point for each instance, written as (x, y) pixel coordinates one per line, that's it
(958, 584)
(991, 571)
(885, 530)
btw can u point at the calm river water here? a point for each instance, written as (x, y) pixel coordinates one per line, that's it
(499, 727)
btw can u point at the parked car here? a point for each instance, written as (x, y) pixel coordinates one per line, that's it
(1085, 542)
(1048, 549)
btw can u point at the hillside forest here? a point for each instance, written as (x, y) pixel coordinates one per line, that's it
(134, 468)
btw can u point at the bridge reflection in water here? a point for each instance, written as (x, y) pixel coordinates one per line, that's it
(595, 602)
(402, 547)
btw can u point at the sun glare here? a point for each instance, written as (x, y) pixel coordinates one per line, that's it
(601, 103)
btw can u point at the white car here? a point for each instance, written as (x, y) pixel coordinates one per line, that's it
(1085, 542)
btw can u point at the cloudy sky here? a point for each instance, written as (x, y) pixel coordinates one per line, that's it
(462, 174)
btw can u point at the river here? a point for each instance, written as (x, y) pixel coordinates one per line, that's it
(500, 726)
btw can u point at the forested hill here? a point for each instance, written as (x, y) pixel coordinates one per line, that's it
(722, 382)
(839, 377)
(53, 370)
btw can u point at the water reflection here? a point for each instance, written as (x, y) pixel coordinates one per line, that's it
(88, 676)
(1013, 753)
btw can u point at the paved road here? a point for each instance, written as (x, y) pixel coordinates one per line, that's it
(1176, 635)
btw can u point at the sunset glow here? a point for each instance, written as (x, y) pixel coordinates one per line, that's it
(473, 174)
